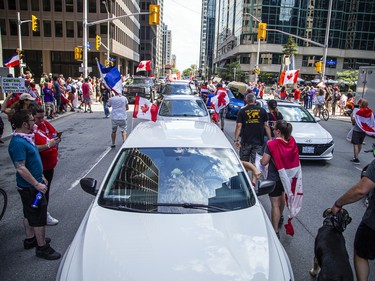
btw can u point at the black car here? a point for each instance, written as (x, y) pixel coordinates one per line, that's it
(139, 86)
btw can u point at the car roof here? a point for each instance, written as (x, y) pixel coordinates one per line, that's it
(177, 133)
(181, 97)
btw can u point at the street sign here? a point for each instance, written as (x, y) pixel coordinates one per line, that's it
(13, 85)
(88, 45)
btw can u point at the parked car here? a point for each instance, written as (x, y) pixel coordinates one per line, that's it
(235, 104)
(139, 86)
(176, 204)
(177, 88)
(314, 142)
(184, 107)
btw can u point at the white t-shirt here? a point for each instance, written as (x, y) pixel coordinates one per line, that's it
(118, 104)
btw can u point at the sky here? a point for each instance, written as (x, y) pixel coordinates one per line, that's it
(183, 18)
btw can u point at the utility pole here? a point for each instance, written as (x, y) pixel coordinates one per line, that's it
(19, 22)
(108, 26)
(326, 39)
(85, 32)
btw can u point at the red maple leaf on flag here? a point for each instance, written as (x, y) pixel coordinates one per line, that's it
(144, 108)
(290, 76)
(141, 65)
(221, 99)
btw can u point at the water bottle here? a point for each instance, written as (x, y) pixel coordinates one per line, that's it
(37, 200)
(54, 135)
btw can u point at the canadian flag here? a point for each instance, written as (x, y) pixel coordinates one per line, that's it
(13, 61)
(144, 109)
(220, 100)
(144, 65)
(365, 120)
(289, 77)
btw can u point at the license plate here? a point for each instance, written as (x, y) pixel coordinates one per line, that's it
(308, 149)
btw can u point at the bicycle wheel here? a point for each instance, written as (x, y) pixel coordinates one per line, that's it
(325, 114)
(3, 202)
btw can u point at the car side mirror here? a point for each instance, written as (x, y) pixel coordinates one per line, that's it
(264, 187)
(89, 185)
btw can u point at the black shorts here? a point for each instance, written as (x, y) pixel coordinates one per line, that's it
(358, 137)
(248, 152)
(36, 216)
(279, 189)
(364, 243)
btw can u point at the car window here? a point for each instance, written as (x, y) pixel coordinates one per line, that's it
(141, 81)
(177, 89)
(142, 178)
(171, 108)
(295, 114)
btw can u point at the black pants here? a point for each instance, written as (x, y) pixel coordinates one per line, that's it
(48, 174)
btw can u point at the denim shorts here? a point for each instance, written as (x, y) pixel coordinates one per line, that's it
(122, 124)
(248, 151)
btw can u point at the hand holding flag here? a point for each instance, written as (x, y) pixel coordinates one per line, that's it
(144, 109)
(111, 77)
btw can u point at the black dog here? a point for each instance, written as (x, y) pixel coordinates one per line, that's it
(330, 251)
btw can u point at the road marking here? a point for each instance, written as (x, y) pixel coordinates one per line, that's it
(74, 184)
(359, 169)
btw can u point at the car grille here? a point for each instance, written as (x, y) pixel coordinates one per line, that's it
(136, 90)
(318, 148)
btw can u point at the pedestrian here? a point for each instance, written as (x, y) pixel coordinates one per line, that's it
(305, 97)
(86, 91)
(30, 183)
(359, 132)
(364, 243)
(1, 130)
(318, 102)
(48, 101)
(311, 96)
(335, 99)
(104, 97)
(273, 115)
(251, 123)
(296, 95)
(57, 94)
(342, 103)
(283, 93)
(281, 154)
(221, 92)
(46, 140)
(352, 115)
(119, 105)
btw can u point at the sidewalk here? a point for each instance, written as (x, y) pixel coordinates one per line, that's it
(96, 107)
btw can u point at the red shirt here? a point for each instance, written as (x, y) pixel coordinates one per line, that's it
(42, 135)
(283, 95)
(297, 94)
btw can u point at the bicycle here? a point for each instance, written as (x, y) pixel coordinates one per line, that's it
(3, 202)
(323, 111)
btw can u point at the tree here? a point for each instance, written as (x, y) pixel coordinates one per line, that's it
(291, 47)
(233, 69)
(186, 72)
(348, 77)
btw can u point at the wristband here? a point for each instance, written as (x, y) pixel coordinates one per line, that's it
(338, 206)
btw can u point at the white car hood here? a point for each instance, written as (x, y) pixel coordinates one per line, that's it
(115, 245)
(312, 133)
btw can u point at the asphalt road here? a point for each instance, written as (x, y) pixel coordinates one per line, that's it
(85, 151)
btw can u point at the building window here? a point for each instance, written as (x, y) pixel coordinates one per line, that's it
(47, 28)
(58, 5)
(46, 5)
(309, 61)
(103, 29)
(79, 6)
(2, 4)
(35, 5)
(245, 60)
(92, 31)
(69, 29)
(13, 27)
(25, 29)
(92, 6)
(69, 5)
(23, 5)
(58, 29)
(79, 29)
(266, 58)
(3, 27)
(12, 5)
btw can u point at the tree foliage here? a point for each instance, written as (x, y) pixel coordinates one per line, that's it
(348, 77)
(291, 47)
(186, 72)
(233, 72)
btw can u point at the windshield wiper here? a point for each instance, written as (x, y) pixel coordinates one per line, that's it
(191, 206)
(121, 207)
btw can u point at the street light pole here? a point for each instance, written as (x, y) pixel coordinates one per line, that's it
(108, 26)
(85, 26)
(152, 54)
(258, 49)
(326, 39)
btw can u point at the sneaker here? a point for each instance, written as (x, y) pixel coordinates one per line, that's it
(51, 220)
(32, 243)
(355, 161)
(113, 146)
(72, 110)
(47, 252)
(90, 111)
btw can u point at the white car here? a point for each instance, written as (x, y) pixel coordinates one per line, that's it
(185, 107)
(176, 204)
(314, 142)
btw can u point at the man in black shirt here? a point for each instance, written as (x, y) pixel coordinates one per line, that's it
(252, 122)
(364, 243)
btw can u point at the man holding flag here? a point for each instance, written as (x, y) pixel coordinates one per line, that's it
(364, 123)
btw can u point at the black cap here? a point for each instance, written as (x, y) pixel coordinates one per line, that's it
(272, 103)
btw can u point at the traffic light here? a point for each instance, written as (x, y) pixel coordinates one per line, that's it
(34, 23)
(262, 31)
(106, 63)
(98, 41)
(78, 53)
(154, 17)
(20, 54)
(257, 70)
(318, 66)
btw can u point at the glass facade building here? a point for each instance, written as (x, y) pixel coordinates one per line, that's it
(351, 37)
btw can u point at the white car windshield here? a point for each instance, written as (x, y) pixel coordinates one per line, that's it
(177, 180)
(182, 108)
(295, 114)
(177, 89)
